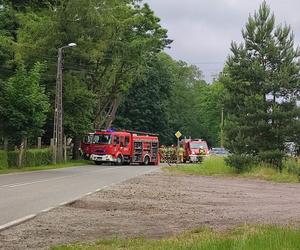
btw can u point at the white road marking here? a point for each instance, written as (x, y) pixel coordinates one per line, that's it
(42, 171)
(63, 204)
(29, 217)
(33, 182)
(47, 210)
(53, 179)
(17, 222)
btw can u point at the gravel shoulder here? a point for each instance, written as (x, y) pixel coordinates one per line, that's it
(159, 205)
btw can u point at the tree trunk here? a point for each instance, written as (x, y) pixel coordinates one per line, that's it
(112, 115)
(5, 144)
(76, 146)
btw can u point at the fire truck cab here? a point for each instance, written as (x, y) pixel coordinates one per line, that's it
(86, 146)
(124, 147)
(193, 149)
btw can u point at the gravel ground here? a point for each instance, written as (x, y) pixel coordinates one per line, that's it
(159, 205)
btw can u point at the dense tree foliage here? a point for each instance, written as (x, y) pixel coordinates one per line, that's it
(114, 38)
(172, 96)
(262, 82)
(24, 104)
(118, 76)
(144, 107)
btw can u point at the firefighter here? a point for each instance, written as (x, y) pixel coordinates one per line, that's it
(181, 153)
(173, 154)
(201, 154)
(201, 151)
(170, 154)
(162, 152)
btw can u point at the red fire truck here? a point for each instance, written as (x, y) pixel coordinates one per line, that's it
(123, 147)
(192, 149)
(86, 146)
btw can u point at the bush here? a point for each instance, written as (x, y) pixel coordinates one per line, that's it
(239, 162)
(37, 157)
(292, 166)
(12, 159)
(274, 158)
(32, 158)
(3, 159)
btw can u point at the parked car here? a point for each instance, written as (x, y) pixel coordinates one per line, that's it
(219, 152)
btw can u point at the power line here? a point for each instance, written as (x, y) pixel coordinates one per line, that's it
(208, 63)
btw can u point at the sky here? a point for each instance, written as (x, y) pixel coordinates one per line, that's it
(202, 30)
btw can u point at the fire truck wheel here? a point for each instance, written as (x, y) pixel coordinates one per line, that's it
(147, 160)
(119, 160)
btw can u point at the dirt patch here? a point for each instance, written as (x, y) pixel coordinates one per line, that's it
(158, 205)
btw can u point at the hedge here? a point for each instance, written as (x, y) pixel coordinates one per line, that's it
(3, 159)
(12, 158)
(240, 162)
(32, 158)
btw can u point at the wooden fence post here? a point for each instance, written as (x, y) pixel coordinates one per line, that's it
(5, 144)
(65, 148)
(39, 142)
(23, 147)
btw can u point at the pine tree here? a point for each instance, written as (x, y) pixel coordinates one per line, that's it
(263, 87)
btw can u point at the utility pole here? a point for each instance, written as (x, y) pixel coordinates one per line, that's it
(58, 133)
(58, 116)
(222, 128)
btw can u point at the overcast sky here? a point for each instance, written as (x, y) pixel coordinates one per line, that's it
(202, 30)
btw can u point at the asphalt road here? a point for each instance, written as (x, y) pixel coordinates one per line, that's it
(25, 194)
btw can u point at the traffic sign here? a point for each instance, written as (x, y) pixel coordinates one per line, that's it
(178, 134)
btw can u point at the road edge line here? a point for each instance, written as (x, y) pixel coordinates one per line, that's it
(32, 216)
(17, 222)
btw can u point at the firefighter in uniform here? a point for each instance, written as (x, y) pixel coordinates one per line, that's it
(202, 151)
(181, 153)
(162, 152)
(201, 154)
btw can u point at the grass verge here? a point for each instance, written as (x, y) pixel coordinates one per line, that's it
(215, 166)
(270, 174)
(210, 166)
(244, 238)
(48, 167)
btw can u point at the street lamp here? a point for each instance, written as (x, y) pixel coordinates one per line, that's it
(58, 136)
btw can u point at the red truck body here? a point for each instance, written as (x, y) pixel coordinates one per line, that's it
(192, 149)
(86, 145)
(122, 147)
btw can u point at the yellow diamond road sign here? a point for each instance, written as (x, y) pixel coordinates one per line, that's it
(178, 134)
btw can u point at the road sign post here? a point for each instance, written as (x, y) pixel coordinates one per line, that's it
(178, 135)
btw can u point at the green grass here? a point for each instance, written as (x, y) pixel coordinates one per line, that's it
(215, 166)
(210, 166)
(244, 238)
(48, 167)
(270, 174)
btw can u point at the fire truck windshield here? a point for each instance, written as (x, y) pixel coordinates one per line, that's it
(102, 139)
(88, 139)
(198, 145)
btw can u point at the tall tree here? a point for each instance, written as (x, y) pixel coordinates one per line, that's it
(114, 39)
(182, 107)
(262, 82)
(24, 104)
(208, 111)
(144, 107)
(172, 96)
(8, 38)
